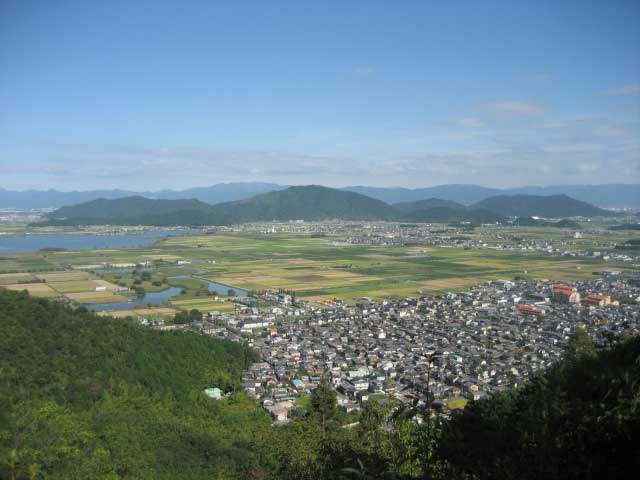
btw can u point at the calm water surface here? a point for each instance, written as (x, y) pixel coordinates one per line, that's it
(219, 288)
(154, 298)
(35, 242)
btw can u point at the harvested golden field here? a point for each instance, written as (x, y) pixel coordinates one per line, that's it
(73, 286)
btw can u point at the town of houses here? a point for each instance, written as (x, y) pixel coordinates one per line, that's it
(428, 350)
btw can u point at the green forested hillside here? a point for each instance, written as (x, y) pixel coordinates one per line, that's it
(552, 206)
(311, 202)
(134, 206)
(135, 210)
(89, 397)
(426, 204)
(450, 214)
(579, 420)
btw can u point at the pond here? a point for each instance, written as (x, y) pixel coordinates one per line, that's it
(154, 298)
(223, 289)
(219, 288)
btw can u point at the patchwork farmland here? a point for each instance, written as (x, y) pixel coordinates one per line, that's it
(315, 268)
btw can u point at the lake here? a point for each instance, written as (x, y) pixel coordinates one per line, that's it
(36, 242)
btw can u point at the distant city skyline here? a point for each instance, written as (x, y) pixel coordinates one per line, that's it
(156, 95)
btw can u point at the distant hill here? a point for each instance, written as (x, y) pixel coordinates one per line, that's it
(465, 194)
(311, 202)
(495, 209)
(130, 206)
(426, 204)
(294, 203)
(611, 196)
(222, 192)
(54, 198)
(553, 206)
(608, 195)
(453, 214)
(135, 210)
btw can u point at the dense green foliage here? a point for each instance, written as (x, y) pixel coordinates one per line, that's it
(83, 396)
(579, 420)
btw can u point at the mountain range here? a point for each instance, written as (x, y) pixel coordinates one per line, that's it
(552, 206)
(222, 192)
(313, 202)
(605, 196)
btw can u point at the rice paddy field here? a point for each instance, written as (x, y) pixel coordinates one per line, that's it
(317, 269)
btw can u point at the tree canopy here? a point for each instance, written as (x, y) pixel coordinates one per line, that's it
(83, 396)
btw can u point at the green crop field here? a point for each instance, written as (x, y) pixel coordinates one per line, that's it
(73, 286)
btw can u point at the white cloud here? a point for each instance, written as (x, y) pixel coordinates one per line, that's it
(625, 90)
(571, 151)
(363, 71)
(515, 107)
(470, 122)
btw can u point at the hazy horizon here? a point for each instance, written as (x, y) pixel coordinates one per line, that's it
(158, 95)
(178, 188)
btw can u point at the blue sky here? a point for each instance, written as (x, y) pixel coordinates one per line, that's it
(145, 95)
